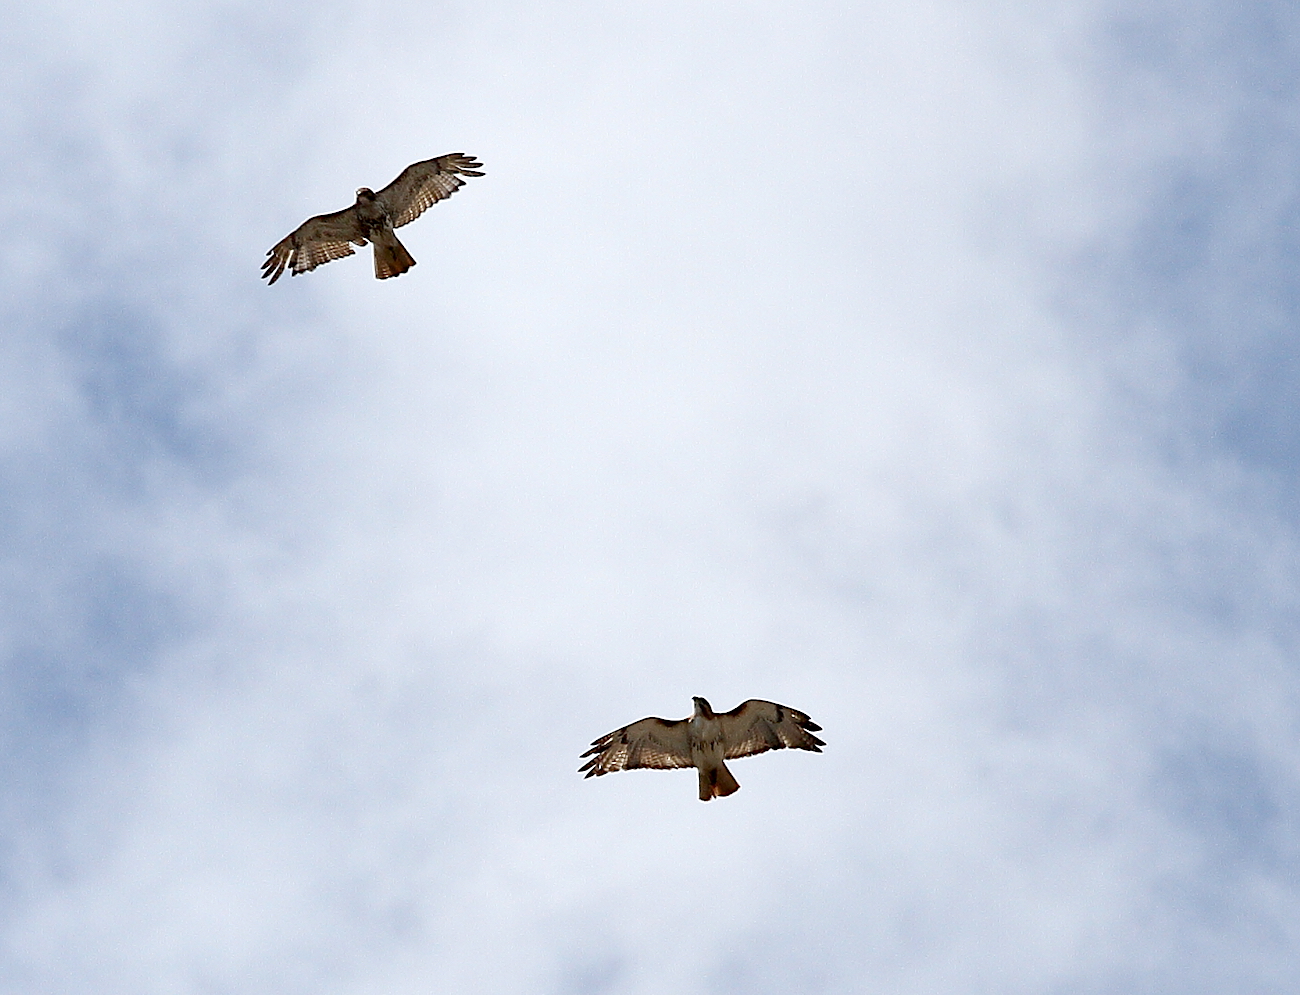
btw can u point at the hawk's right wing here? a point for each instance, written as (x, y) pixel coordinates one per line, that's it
(758, 726)
(315, 241)
(651, 742)
(425, 183)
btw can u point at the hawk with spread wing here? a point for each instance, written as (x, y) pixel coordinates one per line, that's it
(372, 219)
(704, 741)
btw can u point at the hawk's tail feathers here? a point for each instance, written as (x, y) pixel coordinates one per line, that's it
(391, 257)
(717, 782)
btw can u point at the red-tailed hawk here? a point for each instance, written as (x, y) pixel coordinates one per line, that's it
(704, 741)
(372, 219)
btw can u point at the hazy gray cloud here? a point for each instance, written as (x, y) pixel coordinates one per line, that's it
(925, 367)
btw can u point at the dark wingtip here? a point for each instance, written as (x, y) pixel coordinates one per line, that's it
(812, 726)
(272, 266)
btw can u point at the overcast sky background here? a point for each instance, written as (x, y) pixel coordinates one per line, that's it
(930, 367)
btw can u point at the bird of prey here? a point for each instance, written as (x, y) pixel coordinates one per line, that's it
(372, 219)
(704, 741)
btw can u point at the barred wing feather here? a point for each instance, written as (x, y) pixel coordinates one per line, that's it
(758, 726)
(652, 742)
(425, 183)
(317, 240)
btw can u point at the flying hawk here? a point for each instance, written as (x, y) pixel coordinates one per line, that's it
(704, 741)
(372, 219)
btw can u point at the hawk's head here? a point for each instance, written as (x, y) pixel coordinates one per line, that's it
(702, 708)
(365, 193)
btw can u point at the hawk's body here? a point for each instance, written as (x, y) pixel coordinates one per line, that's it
(372, 219)
(704, 741)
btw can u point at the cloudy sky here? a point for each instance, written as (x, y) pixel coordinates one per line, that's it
(928, 366)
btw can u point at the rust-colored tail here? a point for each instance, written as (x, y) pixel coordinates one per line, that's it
(391, 257)
(717, 782)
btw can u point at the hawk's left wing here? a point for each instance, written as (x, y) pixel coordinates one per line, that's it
(317, 240)
(426, 183)
(758, 726)
(651, 742)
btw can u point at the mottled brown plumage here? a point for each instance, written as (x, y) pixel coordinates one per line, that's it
(704, 741)
(372, 219)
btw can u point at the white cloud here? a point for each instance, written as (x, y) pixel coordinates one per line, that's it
(805, 353)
